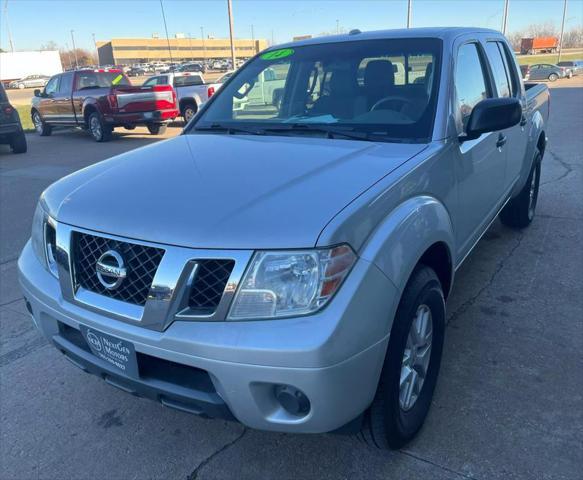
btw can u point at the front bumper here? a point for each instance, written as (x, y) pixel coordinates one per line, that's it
(334, 357)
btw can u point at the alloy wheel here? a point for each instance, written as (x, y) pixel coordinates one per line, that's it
(416, 358)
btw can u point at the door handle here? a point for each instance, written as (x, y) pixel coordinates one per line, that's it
(523, 121)
(501, 141)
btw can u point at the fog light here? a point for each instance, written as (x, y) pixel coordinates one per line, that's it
(293, 401)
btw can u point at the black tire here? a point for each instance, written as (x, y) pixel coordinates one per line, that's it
(188, 111)
(553, 77)
(98, 129)
(129, 127)
(157, 129)
(18, 143)
(387, 424)
(40, 126)
(519, 212)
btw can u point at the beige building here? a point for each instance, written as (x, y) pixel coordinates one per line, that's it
(127, 51)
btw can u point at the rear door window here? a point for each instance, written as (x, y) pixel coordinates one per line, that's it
(498, 69)
(66, 85)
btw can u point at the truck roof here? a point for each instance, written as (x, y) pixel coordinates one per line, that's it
(444, 33)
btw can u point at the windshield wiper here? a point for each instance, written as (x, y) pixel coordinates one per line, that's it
(328, 130)
(229, 129)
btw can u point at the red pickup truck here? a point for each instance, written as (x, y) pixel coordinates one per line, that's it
(99, 101)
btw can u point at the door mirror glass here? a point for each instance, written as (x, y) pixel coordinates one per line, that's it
(491, 115)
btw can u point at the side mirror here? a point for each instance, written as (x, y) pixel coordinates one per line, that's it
(491, 115)
(37, 92)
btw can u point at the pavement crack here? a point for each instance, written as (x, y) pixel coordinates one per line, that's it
(10, 302)
(472, 300)
(567, 166)
(442, 467)
(207, 460)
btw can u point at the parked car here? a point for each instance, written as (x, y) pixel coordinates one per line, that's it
(571, 67)
(11, 131)
(525, 72)
(191, 90)
(289, 266)
(30, 81)
(136, 72)
(223, 78)
(100, 101)
(192, 67)
(546, 71)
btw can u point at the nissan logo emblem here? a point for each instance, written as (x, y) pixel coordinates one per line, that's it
(111, 270)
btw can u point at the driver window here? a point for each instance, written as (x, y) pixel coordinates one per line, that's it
(52, 85)
(470, 83)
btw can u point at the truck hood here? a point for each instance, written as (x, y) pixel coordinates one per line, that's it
(224, 191)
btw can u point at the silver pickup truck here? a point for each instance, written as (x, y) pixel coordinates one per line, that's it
(287, 265)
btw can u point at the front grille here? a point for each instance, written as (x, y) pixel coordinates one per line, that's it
(141, 263)
(209, 285)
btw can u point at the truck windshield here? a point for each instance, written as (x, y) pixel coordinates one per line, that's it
(373, 89)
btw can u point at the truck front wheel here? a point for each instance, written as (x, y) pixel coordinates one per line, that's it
(98, 129)
(40, 126)
(519, 212)
(157, 129)
(411, 365)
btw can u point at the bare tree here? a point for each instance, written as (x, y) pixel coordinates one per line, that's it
(84, 57)
(573, 38)
(50, 45)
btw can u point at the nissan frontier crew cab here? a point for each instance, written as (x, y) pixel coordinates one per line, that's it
(287, 264)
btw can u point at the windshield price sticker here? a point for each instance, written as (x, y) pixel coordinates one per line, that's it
(277, 54)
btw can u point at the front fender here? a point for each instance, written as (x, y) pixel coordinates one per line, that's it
(402, 238)
(536, 128)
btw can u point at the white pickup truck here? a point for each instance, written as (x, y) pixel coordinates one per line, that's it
(191, 90)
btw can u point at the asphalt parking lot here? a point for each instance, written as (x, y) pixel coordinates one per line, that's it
(509, 401)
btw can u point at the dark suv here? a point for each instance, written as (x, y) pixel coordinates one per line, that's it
(11, 132)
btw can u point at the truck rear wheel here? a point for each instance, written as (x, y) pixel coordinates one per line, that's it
(519, 212)
(188, 111)
(40, 126)
(157, 129)
(98, 129)
(18, 143)
(411, 365)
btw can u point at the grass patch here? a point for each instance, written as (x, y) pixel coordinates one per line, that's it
(24, 112)
(550, 58)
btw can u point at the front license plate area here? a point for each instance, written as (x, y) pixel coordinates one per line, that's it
(117, 353)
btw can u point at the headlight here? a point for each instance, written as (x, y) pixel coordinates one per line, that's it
(43, 239)
(290, 283)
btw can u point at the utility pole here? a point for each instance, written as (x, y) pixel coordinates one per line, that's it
(190, 45)
(409, 13)
(505, 17)
(253, 39)
(8, 26)
(203, 44)
(562, 31)
(230, 8)
(74, 49)
(68, 55)
(337, 26)
(96, 51)
(166, 30)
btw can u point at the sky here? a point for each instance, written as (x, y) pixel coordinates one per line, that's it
(36, 22)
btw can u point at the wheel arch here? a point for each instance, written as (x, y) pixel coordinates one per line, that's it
(187, 101)
(418, 231)
(88, 109)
